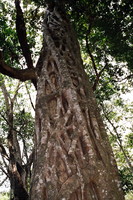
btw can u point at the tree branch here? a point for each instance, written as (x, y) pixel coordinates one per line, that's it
(3, 170)
(98, 77)
(16, 92)
(3, 152)
(89, 52)
(21, 74)
(93, 61)
(21, 32)
(3, 181)
(6, 95)
(30, 97)
(119, 142)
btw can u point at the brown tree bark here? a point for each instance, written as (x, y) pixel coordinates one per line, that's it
(73, 158)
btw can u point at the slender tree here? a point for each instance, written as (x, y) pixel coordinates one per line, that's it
(15, 167)
(73, 158)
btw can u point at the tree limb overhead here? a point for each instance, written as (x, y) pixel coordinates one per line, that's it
(21, 74)
(21, 32)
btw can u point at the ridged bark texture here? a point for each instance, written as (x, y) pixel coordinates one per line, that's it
(73, 159)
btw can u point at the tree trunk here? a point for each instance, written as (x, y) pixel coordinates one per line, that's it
(15, 171)
(73, 159)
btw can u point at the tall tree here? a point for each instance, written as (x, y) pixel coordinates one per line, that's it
(17, 160)
(73, 158)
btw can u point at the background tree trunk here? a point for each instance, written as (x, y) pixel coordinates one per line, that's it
(15, 169)
(73, 158)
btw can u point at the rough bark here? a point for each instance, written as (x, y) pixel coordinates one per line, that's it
(73, 158)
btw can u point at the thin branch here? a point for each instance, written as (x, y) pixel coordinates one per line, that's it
(30, 97)
(91, 56)
(3, 151)
(24, 144)
(4, 161)
(2, 168)
(31, 158)
(6, 173)
(94, 66)
(123, 151)
(98, 77)
(3, 181)
(10, 125)
(16, 92)
(119, 142)
(127, 77)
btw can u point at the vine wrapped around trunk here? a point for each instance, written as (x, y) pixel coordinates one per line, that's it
(73, 159)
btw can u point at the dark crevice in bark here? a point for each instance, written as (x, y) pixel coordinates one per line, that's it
(64, 103)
